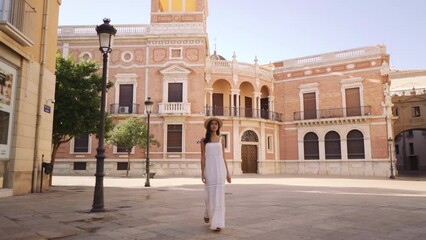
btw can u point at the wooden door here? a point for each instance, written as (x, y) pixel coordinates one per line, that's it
(248, 107)
(217, 104)
(249, 158)
(309, 106)
(353, 102)
(126, 97)
(264, 108)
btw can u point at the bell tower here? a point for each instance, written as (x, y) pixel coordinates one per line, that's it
(179, 11)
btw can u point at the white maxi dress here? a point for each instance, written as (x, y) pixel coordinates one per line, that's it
(215, 173)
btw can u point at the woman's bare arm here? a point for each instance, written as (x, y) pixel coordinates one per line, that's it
(228, 176)
(203, 160)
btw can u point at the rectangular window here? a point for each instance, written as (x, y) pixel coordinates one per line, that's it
(175, 53)
(121, 149)
(225, 137)
(81, 143)
(8, 79)
(411, 148)
(80, 166)
(175, 92)
(264, 108)
(122, 166)
(353, 102)
(174, 138)
(309, 106)
(4, 127)
(415, 111)
(125, 100)
(269, 143)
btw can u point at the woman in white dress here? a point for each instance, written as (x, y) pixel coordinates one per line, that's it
(214, 171)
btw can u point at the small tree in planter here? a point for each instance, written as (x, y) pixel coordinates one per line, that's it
(128, 134)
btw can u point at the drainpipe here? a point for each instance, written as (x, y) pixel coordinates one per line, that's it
(40, 96)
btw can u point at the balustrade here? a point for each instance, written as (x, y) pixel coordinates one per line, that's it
(333, 113)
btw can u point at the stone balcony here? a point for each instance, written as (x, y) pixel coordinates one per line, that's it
(174, 108)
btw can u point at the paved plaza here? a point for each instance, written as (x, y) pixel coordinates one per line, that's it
(258, 207)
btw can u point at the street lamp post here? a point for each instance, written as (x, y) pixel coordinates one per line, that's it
(148, 107)
(392, 176)
(106, 32)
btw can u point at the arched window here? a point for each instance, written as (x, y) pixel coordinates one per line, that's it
(310, 146)
(355, 141)
(332, 146)
(249, 136)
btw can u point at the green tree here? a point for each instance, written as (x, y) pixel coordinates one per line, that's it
(77, 101)
(128, 134)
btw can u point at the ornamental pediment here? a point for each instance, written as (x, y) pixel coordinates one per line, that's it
(175, 70)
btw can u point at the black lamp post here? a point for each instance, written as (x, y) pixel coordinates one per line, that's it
(148, 107)
(392, 176)
(105, 33)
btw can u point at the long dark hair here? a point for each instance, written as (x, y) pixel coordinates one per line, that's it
(208, 136)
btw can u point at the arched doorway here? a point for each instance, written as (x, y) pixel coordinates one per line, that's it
(410, 152)
(249, 152)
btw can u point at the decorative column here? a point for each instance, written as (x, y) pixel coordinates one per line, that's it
(237, 97)
(234, 93)
(256, 104)
(209, 103)
(271, 110)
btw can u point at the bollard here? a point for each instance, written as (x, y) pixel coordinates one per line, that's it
(48, 168)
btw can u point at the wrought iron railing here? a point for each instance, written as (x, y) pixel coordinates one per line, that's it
(333, 113)
(19, 15)
(116, 108)
(242, 112)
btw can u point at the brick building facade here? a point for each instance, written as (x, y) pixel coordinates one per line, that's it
(323, 114)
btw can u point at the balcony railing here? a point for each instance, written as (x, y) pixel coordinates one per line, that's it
(174, 107)
(333, 57)
(17, 19)
(230, 67)
(409, 92)
(242, 112)
(333, 113)
(116, 108)
(89, 31)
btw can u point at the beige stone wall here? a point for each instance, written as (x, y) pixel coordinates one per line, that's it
(32, 126)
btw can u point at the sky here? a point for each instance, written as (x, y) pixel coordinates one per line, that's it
(275, 30)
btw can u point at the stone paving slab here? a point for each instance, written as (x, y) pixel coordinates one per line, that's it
(258, 207)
